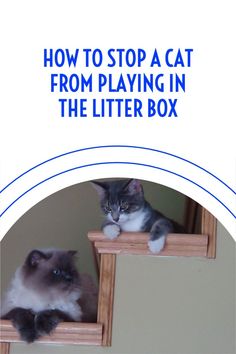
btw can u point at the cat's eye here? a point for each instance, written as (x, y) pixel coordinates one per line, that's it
(124, 206)
(56, 271)
(107, 208)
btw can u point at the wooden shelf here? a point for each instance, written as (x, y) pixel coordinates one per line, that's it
(188, 245)
(65, 333)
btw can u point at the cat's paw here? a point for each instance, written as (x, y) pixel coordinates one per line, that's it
(46, 322)
(157, 246)
(111, 231)
(23, 321)
(28, 335)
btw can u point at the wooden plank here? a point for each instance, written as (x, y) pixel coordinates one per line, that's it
(106, 296)
(137, 244)
(65, 333)
(104, 248)
(209, 228)
(144, 247)
(96, 259)
(4, 348)
(142, 237)
(190, 215)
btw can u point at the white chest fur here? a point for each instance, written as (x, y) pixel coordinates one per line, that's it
(20, 296)
(134, 222)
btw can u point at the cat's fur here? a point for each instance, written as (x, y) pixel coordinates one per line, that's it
(89, 298)
(43, 292)
(125, 209)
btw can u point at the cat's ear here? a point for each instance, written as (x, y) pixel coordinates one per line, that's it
(35, 257)
(100, 187)
(72, 253)
(133, 186)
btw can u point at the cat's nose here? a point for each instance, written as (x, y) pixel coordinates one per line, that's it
(67, 277)
(115, 216)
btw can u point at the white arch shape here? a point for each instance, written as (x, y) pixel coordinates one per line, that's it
(116, 161)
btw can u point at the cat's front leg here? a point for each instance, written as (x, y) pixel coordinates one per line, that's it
(46, 321)
(159, 231)
(111, 230)
(23, 321)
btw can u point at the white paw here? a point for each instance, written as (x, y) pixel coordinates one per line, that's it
(111, 231)
(157, 245)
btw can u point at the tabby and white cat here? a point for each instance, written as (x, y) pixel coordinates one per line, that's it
(125, 209)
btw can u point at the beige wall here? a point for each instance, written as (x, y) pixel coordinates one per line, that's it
(162, 305)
